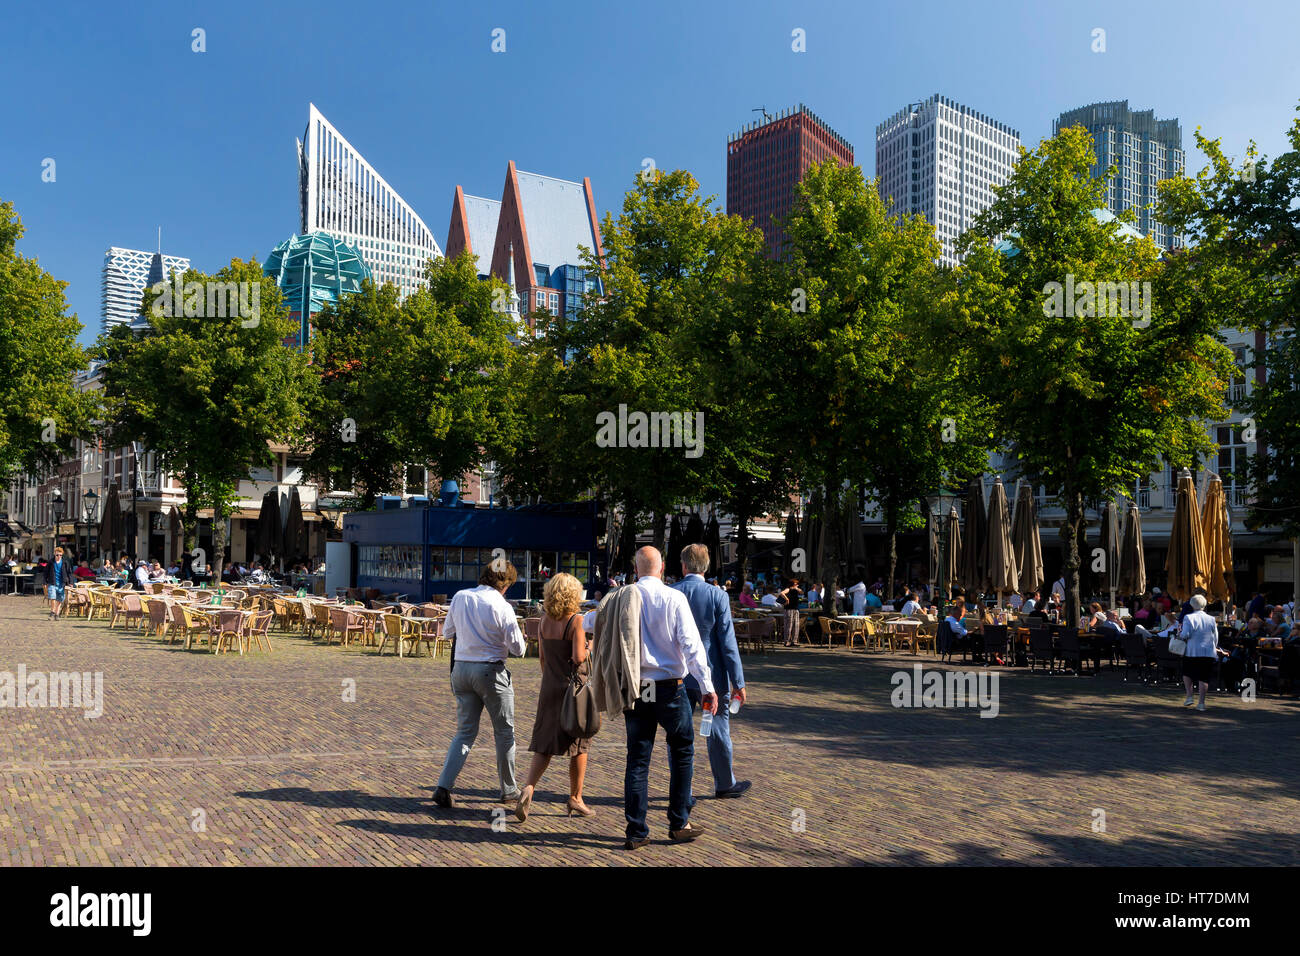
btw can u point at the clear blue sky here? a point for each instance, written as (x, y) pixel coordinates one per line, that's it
(147, 133)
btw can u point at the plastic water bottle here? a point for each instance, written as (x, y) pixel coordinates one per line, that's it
(734, 706)
(706, 724)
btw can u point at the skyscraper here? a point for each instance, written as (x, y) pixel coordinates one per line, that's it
(766, 160)
(125, 277)
(1143, 149)
(339, 193)
(942, 159)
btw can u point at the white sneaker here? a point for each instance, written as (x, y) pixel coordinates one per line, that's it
(1188, 702)
(1200, 706)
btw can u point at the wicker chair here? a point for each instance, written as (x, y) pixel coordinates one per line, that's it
(832, 627)
(344, 624)
(194, 625)
(228, 624)
(258, 628)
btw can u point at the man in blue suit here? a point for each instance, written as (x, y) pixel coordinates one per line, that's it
(712, 613)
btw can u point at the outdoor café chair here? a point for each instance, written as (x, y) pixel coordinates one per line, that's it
(1041, 648)
(1135, 655)
(996, 643)
(1167, 664)
(257, 630)
(532, 634)
(228, 623)
(127, 607)
(1071, 650)
(344, 624)
(319, 624)
(101, 603)
(831, 627)
(194, 625)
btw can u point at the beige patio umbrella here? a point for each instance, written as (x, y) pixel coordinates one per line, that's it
(1218, 542)
(974, 571)
(1187, 560)
(1025, 541)
(1132, 560)
(1108, 542)
(999, 555)
(952, 559)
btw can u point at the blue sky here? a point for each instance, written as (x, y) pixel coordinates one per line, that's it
(146, 133)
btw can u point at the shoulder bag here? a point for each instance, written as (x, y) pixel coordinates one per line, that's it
(579, 715)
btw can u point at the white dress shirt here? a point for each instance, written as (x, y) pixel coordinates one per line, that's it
(1029, 606)
(769, 600)
(859, 592)
(484, 625)
(910, 608)
(957, 626)
(142, 575)
(670, 642)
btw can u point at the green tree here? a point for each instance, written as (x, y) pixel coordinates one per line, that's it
(431, 380)
(208, 386)
(1093, 389)
(41, 410)
(1245, 264)
(852, 277)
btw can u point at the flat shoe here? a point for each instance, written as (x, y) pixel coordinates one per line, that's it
(688, 833)
(631, 844)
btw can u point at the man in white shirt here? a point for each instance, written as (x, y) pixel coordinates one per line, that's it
(484, 632)
(142, 575)
(955, 625)
(670, 648)
(1030, 604)
(1015, 602)
(859, 594)
(1058, 589)
(769, 598)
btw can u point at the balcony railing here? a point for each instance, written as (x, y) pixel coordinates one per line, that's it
(1236, 393)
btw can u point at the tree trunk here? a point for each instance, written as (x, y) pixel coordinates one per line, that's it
(831, 522)
(1070, 532)
(658, 529)
(893, 558)
(742, 548)
(218, 543)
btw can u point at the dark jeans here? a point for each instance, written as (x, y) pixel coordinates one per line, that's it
(672, 711)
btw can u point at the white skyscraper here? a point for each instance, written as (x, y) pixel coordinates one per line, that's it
(339, 193)
(123, 283)
(942, 159)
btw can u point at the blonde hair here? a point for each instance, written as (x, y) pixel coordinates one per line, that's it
(561, 596)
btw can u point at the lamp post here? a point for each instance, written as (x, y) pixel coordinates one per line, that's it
(90, 506)
(133, 526)
(56, 508)
(940, 504)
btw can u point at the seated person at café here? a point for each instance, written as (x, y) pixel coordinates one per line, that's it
(769, 596)
(1015, 602)
(911, 605)
(156, 572)
(747, 596)
(83, 571)
(954, 622)
(1031, 605)
(814, 594)
(1092, 617)
(872, 601)
(1275, 625)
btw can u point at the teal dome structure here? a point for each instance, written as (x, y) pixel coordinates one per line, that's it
(313, 270)
(1008, 248)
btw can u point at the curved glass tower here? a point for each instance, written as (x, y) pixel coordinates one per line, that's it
(339, 193)
(311, 271)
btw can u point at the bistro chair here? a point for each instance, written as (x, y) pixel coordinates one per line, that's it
(345, 625)
(128, 608)
(257, 630)
(228, 624)
(831, 627)
(532, 634)
(318, 625)
(1071, 651)
(1135, 655)
(1041, 648)
(194, 625)
(101, 603)
(995, 643)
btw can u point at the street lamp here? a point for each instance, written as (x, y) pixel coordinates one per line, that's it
(90, 506)
(132, 529)
(940, 504)
(56, 508)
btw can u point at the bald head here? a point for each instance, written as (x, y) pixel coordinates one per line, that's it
(649, 563)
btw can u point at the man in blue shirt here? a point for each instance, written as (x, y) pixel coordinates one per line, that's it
(57, 576)
(712, 613)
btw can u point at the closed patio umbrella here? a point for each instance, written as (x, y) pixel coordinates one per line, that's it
(1026, 543)
(270, 534)
(999, 556)
(1187, 560)
(1108, 542)
(675, 542)
(952, 560)
(810, 534)
(1132, 560)
(974, 571)
(694, 533)
(112, 527)
(1218, 542)
(855, 547)
(295, 529)
(713, 541)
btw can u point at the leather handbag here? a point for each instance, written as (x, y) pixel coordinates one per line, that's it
(579, 714)
(1177, 645)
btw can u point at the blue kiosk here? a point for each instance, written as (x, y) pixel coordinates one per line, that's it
(425, 549)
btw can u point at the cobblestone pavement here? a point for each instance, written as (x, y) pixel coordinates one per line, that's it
(266, 754)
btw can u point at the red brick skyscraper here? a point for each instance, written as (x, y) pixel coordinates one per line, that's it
(766, 160)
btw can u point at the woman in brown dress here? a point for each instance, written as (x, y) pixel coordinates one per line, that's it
(562, 646)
